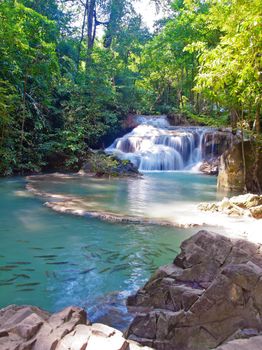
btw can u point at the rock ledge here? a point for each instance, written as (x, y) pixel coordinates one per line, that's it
(244, 205)
(210, 295)
(30, 328)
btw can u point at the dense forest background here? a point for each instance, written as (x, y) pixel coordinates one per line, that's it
(64, 88)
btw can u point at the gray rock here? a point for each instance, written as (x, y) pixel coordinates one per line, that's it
(30, 328)
(254, 343)
(211, 294)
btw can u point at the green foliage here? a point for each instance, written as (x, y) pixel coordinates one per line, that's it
(28, 70)
(102, 164)
(62, 92)
(230, 73)
(212, 121)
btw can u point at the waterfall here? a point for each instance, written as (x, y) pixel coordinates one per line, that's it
(156, 145)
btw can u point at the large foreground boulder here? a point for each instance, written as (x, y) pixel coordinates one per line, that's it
(211, 294)
(30, 328)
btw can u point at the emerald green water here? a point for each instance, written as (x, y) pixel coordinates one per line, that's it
(53, 260)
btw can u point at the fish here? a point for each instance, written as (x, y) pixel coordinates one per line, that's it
(20, 262)
(58, 248)
(27, 284)
(72, 279)
(120, 267)
(28, 270)
(106, 251)
(87, 246)
(95, 255)
(26, 290)
(172, 250)
(6, 283)
(114, 256)
(22, 275)
(45, 256)
(86, 271)
(36, 248)
(16, 276)
(50, 274)
(125, 257)
(104, 270)
(7, 267)
(57, 263)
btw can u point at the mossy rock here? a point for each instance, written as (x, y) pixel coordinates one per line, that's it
(100, 164)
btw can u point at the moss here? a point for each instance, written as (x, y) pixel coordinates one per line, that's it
(102, 164)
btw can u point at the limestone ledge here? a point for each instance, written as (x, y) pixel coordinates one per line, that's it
(244, 205)
(31, 328)
(77, 206)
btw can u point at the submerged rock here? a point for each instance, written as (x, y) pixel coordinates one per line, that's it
(244, 205)
(30, 328)
(210, 295)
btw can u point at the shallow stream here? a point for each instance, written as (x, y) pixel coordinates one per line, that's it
(53, 260)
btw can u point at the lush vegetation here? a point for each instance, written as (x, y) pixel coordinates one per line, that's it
(64, 88)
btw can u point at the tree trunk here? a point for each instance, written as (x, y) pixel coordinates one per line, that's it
(90, 33)
(233, 119)
(82, 35)
(257, 121)
(2, 136)
(243, 155)
(257, 187)
(117, 7)
(23, 116)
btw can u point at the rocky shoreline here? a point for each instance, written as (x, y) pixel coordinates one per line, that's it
(31, 328)
(211, 294)
(243, 205)
(210, 297)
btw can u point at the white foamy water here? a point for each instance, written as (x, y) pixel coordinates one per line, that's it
(155, 145)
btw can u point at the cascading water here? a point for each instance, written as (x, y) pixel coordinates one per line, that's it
(156, 145)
